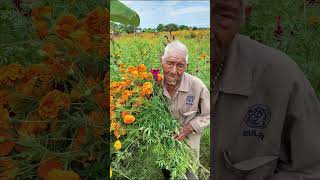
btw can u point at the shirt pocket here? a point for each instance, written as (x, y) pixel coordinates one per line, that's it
(255, 168)
(189, 115)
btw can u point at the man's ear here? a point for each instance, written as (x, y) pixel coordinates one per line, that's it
(248, 10)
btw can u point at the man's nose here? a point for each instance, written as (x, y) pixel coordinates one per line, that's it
(174, 69)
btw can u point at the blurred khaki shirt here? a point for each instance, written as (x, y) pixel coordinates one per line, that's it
(266, 117)
(191, 104)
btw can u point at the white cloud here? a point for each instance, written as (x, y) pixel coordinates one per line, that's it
(191, 10)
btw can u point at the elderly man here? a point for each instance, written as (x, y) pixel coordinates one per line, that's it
(266, 114)
(188, 96)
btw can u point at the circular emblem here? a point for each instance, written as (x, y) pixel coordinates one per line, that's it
(258, 116)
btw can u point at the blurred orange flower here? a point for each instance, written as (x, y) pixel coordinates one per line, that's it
(4, 118)
(6, 145)
(8, 169)
(65, 25)
(96, 21)
(52, 103)
(48, 164)
(62, 175)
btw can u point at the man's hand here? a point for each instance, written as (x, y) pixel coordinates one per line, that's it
(185, 130)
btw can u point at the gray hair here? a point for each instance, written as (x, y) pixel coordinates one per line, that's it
(175, 46)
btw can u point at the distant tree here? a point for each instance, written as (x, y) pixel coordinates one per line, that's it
(160, 28)
(194, 28)
(183, 27)
(171, 27)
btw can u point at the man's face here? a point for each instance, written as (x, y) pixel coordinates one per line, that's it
(227, 18)
(173, 66)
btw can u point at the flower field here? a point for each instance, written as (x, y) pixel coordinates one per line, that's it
(52, 100)
(141, 125)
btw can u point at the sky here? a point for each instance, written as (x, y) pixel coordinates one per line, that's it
(189, 13)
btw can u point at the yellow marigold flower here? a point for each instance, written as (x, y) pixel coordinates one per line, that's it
(110, 172)
(129, 119)
(62, 175)
(117, 145)
(135, 73)
(142, 68)
(65, 25)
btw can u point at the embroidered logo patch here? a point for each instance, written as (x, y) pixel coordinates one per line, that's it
(189, 100)
(258, 116)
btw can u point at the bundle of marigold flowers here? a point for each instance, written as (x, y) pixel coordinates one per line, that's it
(142, 126)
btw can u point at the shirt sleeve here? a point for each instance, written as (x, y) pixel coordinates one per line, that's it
(300, 144)
(202, 120)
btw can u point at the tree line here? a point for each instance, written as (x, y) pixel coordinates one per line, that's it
(120, 28)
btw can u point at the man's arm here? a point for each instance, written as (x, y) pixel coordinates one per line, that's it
(202, 120)
(300, 147)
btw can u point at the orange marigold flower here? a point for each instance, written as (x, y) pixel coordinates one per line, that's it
(62, 175)
(129, 119)
(98, 122)
(33, 125)
(3, 98)
(52, 103)
(124, 113)
(116, 133)
(147, 88)
(15, 71)
(42, 28)
(160, 77)
(79, 139)
(8, 169)
(6, 145)
(126, 94)
(131, 69)
(37, 12)
(96, 21)
(47, 165)
(49, 47)
(65, 25)
(82, 38)
(142, 68)
(101, 98)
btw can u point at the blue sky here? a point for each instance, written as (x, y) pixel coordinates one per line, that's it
(190, 13)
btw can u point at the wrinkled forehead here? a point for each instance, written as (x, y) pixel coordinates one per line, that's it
(175, 56)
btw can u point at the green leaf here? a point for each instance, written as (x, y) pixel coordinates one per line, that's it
(122, 14)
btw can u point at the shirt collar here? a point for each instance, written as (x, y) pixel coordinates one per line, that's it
(237, 76)
(184, 85)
